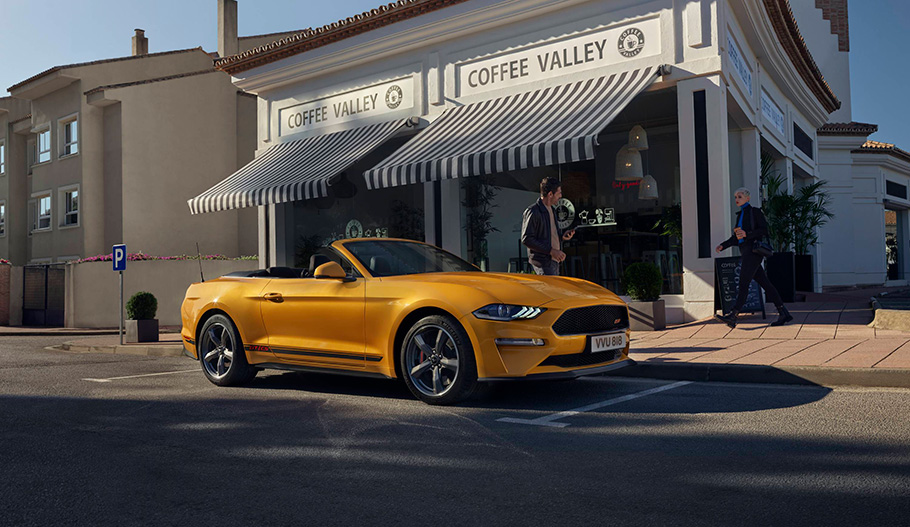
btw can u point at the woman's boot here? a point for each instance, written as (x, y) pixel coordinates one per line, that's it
(783, 316)
(729, 319)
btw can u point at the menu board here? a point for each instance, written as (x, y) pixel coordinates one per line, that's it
(726, 287)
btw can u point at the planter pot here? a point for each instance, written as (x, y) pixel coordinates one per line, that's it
(805, 277)
(781, 270)
(647, 316)
(142, 330)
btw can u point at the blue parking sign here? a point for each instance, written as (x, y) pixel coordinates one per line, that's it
(119, 254)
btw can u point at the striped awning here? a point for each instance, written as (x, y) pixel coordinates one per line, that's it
(545, 127)
(295, 170)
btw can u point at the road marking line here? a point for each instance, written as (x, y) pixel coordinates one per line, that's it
(548, 420)
(137, 376)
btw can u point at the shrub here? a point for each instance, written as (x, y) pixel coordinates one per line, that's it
(142, 306)
(642, 281)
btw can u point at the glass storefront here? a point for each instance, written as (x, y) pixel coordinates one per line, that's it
(892, 248)
(618, 221)
(352, 211)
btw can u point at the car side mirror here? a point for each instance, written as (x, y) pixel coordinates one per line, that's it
(331, 270)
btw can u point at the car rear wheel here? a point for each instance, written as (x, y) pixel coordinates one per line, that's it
(221, 353)
(437, 361)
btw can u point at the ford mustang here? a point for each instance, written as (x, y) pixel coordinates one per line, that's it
(403, 309)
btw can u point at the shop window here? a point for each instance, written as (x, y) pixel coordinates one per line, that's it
(44, 145)
(352, 211)
(69, 135)
(616, 222)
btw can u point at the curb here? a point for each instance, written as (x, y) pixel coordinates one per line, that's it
(747, 373)
(150, 351)
(73, 333)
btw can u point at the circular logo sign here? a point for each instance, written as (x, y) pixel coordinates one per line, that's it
(393, 96)
(565, 213)
(631, 41)
(354, 229)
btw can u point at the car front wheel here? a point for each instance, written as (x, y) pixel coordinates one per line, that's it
(221, 353)
(437, 361)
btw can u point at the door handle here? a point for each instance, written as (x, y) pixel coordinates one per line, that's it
(274, 297)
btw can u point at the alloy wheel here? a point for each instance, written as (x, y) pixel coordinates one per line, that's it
(431, 360)
(218, 350)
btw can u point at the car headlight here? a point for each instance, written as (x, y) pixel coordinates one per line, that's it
(506, 312)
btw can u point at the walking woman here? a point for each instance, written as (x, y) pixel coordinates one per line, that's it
(751, 228)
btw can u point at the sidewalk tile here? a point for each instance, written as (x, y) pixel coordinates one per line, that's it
(712, 330)
(731, 353)
(815, 331)
(750, 329)
(819, 353)
(685, 332)
(778, 351)
(866, 354)
(690, 353)
(854, 332)
(899, 359)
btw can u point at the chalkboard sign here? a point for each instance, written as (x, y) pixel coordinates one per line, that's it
(726, 287)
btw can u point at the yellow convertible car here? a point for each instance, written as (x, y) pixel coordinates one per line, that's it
(403, 309)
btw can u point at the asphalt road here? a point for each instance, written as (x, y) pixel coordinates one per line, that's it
(302, 449)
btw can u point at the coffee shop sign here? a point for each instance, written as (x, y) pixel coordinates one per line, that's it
(353, 105)
(594, 49)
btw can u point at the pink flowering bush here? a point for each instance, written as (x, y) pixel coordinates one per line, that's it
(4, 262)
(135, 257)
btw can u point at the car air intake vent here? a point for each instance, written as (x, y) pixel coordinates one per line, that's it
(577, 360)
(592, 319)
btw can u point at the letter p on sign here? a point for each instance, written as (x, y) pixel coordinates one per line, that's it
(119, 254)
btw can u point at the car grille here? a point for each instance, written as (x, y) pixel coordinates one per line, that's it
(576, 360)
(592, 319)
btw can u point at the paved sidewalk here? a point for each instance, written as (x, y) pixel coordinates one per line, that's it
(169, 345)
(827, 343)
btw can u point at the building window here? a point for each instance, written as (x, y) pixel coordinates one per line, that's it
(2, 157)
(802, 141)
(42, 220)
(30, 149)
(69, 206)
(69, 135)
(2, 218)
(44, 145)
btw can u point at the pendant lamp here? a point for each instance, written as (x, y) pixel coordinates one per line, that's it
(648, 188)
(638, 138)
(628, 164)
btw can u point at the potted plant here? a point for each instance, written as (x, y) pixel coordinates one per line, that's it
(480, 200)
(811, 212)
(647, 311)
(779, 207)
(142, 325)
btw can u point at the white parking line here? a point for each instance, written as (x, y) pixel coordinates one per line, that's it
(548, 420)
(137, 376)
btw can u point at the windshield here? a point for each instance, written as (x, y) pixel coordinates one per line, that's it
(393, 258)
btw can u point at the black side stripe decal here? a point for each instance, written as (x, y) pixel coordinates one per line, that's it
(329, 354)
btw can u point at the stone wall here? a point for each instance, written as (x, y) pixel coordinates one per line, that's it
(93, 294)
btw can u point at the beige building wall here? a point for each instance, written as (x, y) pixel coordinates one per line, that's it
(13, 182)
(171, 156)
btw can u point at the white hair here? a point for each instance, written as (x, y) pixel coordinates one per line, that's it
(744, 190)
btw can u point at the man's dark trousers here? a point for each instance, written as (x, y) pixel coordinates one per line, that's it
(751, 269)
(547, 268)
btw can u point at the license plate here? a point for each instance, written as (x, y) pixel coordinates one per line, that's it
(607, 342)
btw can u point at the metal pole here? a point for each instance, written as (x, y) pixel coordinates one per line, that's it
(121, 308)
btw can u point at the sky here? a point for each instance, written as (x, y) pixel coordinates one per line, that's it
(37, 35)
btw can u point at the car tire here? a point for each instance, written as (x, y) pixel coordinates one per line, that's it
(221, 353)
(437, 361)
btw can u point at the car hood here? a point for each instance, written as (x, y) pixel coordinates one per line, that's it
(522, 289)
